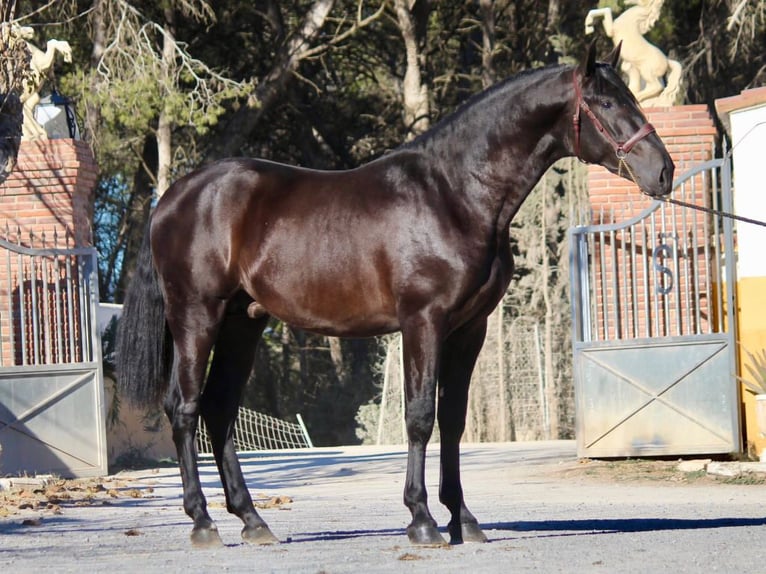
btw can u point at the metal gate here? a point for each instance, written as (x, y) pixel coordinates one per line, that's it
(51, 381)
(654, 326)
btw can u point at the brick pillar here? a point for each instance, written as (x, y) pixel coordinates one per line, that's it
(46, 202)
(689, 135)
(50, 192)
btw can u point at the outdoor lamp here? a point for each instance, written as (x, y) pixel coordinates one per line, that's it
(56, 114)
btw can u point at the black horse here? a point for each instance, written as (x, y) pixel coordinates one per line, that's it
(416, 241)
(11, 118)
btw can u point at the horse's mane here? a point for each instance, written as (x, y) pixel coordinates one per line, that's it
(512, 84)
(653, 8)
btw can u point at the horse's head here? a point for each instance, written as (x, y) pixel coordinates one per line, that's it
(11, 118)
(611, 130)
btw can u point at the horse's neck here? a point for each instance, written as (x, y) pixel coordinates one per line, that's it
(506, 142)
(37, 54)
(525, 140)
(43, 60)
(638, 20)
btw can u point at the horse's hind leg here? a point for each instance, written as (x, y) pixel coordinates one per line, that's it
(193, 328)
(459, 356)
(232, 362)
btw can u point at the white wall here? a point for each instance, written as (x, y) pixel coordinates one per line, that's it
(748, 131)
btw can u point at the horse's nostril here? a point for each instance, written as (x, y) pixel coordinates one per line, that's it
(664, 177)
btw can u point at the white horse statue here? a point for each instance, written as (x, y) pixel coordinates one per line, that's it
(644, 64)
(40, 64)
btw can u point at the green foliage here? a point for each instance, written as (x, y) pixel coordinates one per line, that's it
(756, 384)
(367, 422)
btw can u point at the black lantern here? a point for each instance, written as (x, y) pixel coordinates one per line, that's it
(56, 115)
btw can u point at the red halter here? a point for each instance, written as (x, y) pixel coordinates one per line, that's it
(620, 149)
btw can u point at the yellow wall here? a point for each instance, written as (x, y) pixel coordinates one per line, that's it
(751, 319)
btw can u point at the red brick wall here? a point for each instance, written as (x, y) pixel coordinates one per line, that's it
(689, 135)
(46, 202)
(50, 191)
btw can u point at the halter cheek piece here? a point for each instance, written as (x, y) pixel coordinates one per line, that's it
(621, 150)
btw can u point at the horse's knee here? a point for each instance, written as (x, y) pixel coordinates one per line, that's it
(420, 417)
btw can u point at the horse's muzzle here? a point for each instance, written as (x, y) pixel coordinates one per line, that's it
(664, 184)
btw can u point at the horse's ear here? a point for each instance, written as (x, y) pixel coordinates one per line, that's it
(588, 66)
(614, 56)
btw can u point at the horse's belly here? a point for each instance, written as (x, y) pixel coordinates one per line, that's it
(336, 321)
(341, 306)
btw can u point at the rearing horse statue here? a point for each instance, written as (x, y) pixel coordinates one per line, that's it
(643, 63)
(15, 59)
(40, 64)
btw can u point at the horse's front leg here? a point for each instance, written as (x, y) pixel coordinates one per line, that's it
(459, 356)
(421, 341)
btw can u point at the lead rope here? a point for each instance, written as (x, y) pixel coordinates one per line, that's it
(712, 211)
(680, 203)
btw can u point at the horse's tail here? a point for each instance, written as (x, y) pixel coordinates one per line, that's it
(144, 348)
(672, 83)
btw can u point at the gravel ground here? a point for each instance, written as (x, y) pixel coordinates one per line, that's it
(339, 510)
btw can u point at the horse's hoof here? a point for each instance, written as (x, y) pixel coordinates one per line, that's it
(472, 533)
(259, 535)
(425, 535)
(206, 537)
(465, 532)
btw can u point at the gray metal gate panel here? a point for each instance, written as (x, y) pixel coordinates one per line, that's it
(52, 416)
(653, 327)
(51, 420)
(656, 397)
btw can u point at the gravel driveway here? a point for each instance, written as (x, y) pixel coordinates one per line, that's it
(340, 510)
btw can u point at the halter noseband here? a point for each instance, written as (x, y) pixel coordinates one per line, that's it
(621, 150)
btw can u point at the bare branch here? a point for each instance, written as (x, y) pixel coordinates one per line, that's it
(132, 55)
(350, 31)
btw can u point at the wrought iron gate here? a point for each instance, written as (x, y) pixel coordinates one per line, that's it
(654, 326)
(51, 381)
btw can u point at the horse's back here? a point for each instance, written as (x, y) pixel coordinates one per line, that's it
(296, 240)
(338, 252)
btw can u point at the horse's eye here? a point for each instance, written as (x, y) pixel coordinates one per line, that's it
(606, 104)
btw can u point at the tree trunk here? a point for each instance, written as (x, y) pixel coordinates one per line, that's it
(550, 386)
(92, 110)
(487, 42)
(164, 127)
(139, 208)
(554, 12)
(414, 91)
(242, 123)
(336, 355)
